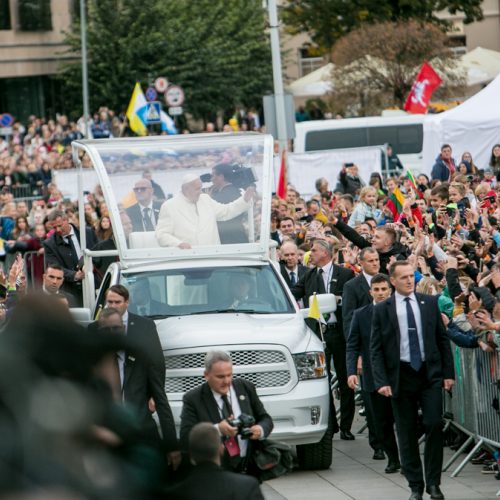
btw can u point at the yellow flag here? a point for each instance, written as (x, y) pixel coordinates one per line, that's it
(314, 311)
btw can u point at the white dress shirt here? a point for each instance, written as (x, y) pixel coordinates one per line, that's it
(75, 241)
(368, 278)
(404, 345)
(151, 213)
(327, 276)
(235, 405)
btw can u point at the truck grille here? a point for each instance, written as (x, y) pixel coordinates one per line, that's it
(266, 369)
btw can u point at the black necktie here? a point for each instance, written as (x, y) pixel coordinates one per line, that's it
(292, 278)
(148, 224)
(227, 411)
(321, 283)
(415, 354)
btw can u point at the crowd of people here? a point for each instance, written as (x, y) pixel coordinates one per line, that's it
(425, 252)
(426, 249)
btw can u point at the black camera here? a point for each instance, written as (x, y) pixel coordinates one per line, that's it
(243, 424)
(240, 176)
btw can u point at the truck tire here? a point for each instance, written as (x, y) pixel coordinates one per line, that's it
(316, 456)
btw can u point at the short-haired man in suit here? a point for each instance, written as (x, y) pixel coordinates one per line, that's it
(412, 363)
(52, 282)
(327, 277)
(144, 214)
(207, 480)
(143, 377)
(378, 408)
(64, 248)
(291, 269)
(219, 400)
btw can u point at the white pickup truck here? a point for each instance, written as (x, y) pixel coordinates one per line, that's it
(227, 296)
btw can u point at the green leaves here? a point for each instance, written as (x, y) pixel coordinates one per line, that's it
(216, 50)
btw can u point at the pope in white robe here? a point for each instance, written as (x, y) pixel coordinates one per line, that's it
(190, 218)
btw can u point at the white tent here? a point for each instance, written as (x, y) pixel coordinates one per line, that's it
(482, 65)
(316, 83)
(473, 126)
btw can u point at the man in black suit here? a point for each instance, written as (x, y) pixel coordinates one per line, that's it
(144, 214)
(411, 363)
(290, 267)
(64, 248)
(378, 408)
(53, 280)
(329, 277)
(219, 400)
(223, 191)
(207, 480)
(143, 377)
(357, 291)
(142, 303)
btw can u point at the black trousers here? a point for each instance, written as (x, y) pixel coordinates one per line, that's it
(415, 391)
(380, 420)
(336, 349)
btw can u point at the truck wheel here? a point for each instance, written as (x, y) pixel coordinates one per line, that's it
(316, 456)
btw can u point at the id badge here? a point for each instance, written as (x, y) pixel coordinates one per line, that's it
(232, 447)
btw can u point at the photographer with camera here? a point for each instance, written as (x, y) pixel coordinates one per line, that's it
(234, 408)
(224, 191)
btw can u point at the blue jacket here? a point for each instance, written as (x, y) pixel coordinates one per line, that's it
(440, 170)
(461, 338)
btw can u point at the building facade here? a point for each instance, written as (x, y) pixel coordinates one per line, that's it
(31, 49)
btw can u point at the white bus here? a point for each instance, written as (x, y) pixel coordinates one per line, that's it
(404, 133)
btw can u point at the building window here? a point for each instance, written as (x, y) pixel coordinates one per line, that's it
(34, 15)
(5, 15)
(309, 60)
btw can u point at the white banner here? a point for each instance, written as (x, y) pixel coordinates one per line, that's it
(305, 168)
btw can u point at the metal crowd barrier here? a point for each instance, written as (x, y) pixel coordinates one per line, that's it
(473, 407)
(21, 191)
(32, 263)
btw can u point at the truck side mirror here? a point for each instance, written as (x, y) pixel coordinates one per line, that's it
(327, 303)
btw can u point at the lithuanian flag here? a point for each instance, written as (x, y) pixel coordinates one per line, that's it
(395, 203)
(413, 182)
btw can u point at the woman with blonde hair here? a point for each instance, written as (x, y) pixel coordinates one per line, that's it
(366, 207)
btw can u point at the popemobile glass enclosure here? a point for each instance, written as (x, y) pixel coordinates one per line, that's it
(173, 197)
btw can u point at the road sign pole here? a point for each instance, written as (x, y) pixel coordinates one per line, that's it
(279, 93)
(85, 79)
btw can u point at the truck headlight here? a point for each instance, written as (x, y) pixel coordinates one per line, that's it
(310, 365)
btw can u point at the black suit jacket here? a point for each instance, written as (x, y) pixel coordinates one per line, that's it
(57, 251)
(301, 270)
(308, 285)
(358, 344)
(199, 405)
(356, 294)
(144, 378)
(385, 342)
(208, 481)
(135, 214)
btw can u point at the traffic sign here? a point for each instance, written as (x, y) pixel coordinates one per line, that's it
(151, 94)
(174, 96)
(5, 131)
(161, 84)
(6, 120)
(175, 110)
(153, 112)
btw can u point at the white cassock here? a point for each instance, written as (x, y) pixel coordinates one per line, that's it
(182, 221)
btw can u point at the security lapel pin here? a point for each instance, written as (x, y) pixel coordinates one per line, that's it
(242, 397)
(131, 358)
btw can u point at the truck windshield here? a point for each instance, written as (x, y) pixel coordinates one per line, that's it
(180, 292)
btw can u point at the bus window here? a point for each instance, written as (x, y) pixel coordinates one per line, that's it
(319, 140)
(405, 139)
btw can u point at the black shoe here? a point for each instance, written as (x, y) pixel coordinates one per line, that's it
(415, 495)
(392, 467)
(378, 455)
(346, 435)
(435, 492)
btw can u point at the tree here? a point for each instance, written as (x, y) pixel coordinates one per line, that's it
(217, 51)
(375, 65)
(328, 20)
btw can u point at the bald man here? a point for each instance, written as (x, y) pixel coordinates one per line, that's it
(144, 214)
(190, 217)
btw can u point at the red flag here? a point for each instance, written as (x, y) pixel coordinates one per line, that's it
(281, 189)
(426, 83)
